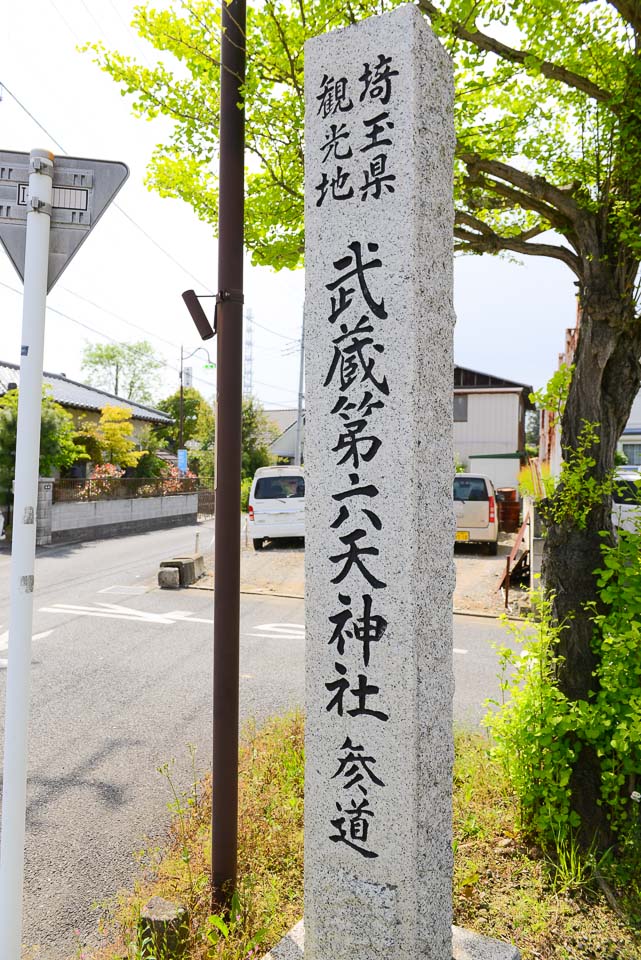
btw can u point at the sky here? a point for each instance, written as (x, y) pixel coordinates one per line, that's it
(125, 283)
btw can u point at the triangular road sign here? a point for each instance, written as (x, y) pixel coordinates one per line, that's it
(82, 191)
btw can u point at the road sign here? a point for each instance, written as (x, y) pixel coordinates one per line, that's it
(182, 460)
(82, 190)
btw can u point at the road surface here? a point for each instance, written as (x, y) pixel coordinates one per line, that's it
(121, 684)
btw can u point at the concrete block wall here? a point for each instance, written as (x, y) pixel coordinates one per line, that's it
(44, 511)
(109, 518)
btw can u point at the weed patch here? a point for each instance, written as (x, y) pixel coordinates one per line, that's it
(554, 905)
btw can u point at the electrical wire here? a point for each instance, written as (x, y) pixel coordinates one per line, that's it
(118, 316)
(100, 333)
(147, 235)
(291, 340)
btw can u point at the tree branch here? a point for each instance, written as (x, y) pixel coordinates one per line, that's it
(537, 187)
(517, 198)
(550, 70)
(630, 10)
(482, 239)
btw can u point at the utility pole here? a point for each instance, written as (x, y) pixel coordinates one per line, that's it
(40, 245)
(228, 454)
(298, 456)
(23, 551)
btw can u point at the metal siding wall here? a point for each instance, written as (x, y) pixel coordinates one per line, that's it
(492, 425)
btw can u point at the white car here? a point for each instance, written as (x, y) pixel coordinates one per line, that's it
(626, 498)
(476, 511)
(276, 504)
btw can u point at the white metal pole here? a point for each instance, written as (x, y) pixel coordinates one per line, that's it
(23, 554)
(298, 455)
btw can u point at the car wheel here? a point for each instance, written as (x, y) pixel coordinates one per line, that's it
(258, 544)
(493, 548)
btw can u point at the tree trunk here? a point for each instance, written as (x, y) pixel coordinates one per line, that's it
(604, 384)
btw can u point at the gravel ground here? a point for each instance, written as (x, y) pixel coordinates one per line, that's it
(279, 570)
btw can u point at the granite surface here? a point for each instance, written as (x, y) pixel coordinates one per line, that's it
(466, 945)
(379, 569)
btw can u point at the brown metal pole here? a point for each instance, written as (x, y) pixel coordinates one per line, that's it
(228, 455)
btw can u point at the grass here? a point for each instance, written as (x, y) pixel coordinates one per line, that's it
(270, 857)
(553, 907)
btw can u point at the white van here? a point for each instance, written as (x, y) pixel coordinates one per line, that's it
(626, 499)
(276, 504)
(476, 511)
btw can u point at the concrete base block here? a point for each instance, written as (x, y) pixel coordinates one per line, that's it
(186, 569)
(465, 946)
(164, 929)
(198, 561)
(169, 578)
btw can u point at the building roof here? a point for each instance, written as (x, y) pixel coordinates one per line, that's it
(282, 418)
(70, 393)
(473, 379)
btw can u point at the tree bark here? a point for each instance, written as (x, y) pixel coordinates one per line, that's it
(604, 384)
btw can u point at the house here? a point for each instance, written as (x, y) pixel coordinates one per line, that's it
(630, 442)
(284, 446)
(489, 425)
(550, 440)
(85, 402)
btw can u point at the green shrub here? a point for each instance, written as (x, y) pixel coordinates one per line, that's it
(539, 733)
(245, 487)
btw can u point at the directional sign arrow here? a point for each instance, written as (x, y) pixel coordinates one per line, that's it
(82, 190)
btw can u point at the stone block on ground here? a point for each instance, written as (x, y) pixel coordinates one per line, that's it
(169, 578)
(186, 569)
(198, 560)
(164, 930)
(466, 945)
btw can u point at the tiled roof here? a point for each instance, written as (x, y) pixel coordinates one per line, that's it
(70, 393)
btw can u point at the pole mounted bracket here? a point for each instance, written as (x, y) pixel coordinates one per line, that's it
(41, 165)
(39, 206)
(235, 296)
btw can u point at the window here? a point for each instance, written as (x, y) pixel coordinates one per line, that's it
(460, 408)
(470, 488)
(633, 453)
(279, 488)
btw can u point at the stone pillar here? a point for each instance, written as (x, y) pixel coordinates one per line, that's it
(379, 465)
(43, 511)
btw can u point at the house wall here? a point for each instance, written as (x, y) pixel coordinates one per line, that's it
(494, 424)
(66, 522)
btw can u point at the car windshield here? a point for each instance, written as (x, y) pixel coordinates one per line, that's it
(279, 488)
(470, 488)
(627, 491)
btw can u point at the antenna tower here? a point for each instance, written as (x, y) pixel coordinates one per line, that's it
(248, 361)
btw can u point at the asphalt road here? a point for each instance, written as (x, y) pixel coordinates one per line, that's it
(121, 684)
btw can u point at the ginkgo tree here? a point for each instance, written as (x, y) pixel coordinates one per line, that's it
(548, 118)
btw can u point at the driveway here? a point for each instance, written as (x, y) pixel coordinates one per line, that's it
(279, 570)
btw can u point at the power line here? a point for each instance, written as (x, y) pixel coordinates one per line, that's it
(274, 386)
(118, 316)
(142, 230)
(275, 333)
(100, 333)
(116, 205)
